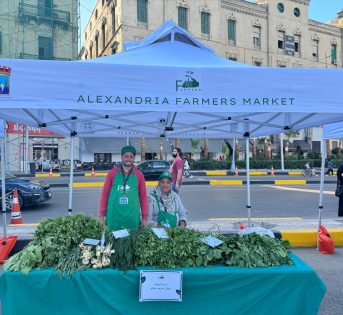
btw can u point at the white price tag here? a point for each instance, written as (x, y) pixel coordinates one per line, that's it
(160, 233)
(90, 241)
(211, 241)
(120, 233)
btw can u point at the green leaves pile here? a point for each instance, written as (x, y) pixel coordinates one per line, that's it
(56, 245)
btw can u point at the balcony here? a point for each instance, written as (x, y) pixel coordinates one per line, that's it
(38, 57)
(29, 12)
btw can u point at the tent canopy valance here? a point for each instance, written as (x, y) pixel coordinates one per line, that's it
(171, 85)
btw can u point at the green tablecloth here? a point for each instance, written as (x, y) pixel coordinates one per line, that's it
(214, 290)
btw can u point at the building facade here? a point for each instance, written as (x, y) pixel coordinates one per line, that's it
(271, 33)
(43, 30)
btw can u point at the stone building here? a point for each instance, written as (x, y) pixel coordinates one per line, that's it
(44, 30)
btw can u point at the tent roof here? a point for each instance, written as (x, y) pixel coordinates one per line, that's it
(169, 85)
(333, 131)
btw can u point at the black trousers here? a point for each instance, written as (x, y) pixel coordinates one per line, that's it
(340, 207)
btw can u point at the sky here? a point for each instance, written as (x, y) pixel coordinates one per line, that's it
(320, 10)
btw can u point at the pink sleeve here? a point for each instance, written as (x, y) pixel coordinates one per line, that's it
(143, 198)
(106, 191)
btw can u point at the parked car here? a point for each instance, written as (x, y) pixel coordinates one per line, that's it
(152, 169)
(30, 192)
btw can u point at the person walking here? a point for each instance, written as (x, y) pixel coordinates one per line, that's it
(340, 182)
(124, 200)
(176, 170)
(330, 167)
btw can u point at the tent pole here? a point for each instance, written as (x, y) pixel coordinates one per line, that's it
(321, 194)
(233, 166)
(281, 152)
(248, 180)
(70, 206)
(3, 188)
(27, 151)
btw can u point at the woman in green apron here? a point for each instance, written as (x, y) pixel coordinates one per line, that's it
(165, 205)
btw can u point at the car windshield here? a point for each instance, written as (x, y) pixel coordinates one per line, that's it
(7, 175)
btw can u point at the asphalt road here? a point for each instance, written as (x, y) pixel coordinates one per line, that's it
(205, 202)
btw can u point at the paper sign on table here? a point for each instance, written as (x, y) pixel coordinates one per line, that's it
(120, 233)
(160, 285)
(211, 241)
(160, 233)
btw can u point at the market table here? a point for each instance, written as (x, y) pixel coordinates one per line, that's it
(216, 290)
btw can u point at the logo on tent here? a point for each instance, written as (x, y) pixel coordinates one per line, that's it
(5, 73)
(189, 84)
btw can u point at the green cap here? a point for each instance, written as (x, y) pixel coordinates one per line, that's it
(128, 148)
(165, 174)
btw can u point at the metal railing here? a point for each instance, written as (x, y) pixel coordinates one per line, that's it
(38, 57)
(43, 13)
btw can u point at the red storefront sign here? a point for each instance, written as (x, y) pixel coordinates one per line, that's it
(15, 128)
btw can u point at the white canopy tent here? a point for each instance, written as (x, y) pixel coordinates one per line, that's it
(168, 85)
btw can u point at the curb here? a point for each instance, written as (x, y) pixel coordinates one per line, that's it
(213, 182)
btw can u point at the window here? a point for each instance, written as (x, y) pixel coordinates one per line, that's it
(45, 8)
(90, 26)
(142, 11)
(85, 35)
(258, 63)
(232, 58)
(96, 14)
(102, 157)
(232, 32)
(315, 50)
(0, 42)
(297, 45)
(296, 12)
(114, 48)
(182, 17)
(102, 2)
(113, 20)
(280, 7)
(205, 23)
(103, 34)
(90, 52)
(45, 48)
(257, 37)
(333, 54)
(97, 46)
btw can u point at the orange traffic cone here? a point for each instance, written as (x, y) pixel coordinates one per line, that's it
(16, 214)
(272, 172)
(50, 173)
(236, 171)
(325, 242)
(93, 174)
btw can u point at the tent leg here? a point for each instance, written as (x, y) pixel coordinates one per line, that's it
(70, 206)
(321, 194)
(3, 188)
(233, 166)
(248, 180)
(281, 153)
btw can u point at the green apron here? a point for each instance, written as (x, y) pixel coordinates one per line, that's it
(123, 208)
(165, 218)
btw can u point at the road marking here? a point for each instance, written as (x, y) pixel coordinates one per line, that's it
(209, 173)
(255, 219)
(48, 175)
(295, 173)
(215, 182)
(95, 174)
(314, 191)
(290, 182)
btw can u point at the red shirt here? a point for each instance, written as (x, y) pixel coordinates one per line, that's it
(143, 198)
(177, 165)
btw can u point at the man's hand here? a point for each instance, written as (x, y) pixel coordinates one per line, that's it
(102, 220)
(177, 187)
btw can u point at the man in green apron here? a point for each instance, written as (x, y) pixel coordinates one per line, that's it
(124, 202)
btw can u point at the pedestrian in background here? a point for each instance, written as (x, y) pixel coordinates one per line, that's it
(176, 169)
(330, 167)
(340, 182)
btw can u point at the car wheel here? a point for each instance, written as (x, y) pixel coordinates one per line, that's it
(9, 201)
